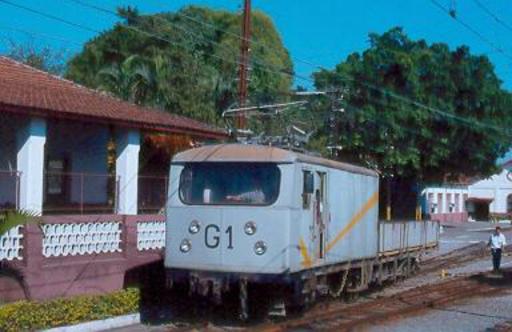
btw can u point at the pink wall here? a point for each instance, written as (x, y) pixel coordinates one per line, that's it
(454, 217)
(45, 278)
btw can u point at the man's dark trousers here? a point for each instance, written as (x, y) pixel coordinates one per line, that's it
(496, 259)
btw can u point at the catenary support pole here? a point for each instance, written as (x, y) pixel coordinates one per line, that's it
(243, 74)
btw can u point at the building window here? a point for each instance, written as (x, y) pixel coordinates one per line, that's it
(464, 200)
(440, 203)
(509, 203)
(431, 204)
(457, 202)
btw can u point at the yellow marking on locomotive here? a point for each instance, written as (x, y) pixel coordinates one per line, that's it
(355, 219)
(306, 259)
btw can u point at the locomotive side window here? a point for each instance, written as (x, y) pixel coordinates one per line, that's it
(229, 183)
(308, 188)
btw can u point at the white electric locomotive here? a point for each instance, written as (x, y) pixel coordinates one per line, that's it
(246, 214)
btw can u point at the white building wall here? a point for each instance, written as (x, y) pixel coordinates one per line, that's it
(443, 206)
(497, 188)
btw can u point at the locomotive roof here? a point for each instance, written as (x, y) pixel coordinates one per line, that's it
(261, 153)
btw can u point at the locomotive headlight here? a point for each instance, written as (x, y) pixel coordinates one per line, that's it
(194, 227)
(260, 248)
(250, 228)
(185, 245)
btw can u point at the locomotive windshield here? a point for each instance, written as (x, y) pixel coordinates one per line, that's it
(229, 183)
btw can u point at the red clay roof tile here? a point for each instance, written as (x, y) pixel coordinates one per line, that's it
(23, 88)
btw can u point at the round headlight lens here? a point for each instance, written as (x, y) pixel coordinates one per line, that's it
(260, 248)
(185, 245)
(194, 227)
(250, 228)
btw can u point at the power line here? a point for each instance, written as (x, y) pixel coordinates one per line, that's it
(135, 29)
(258, 60)
(472, 30)
(491, 14)
(469, 122)
(252, 40)
(274, 69)
(373, 87)
(50, 16)
(40, 35)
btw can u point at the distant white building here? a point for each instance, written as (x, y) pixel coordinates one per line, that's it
(476, 200)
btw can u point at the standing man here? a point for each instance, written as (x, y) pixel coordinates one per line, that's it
(497, 243)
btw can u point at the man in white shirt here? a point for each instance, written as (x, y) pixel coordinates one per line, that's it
(497, 243)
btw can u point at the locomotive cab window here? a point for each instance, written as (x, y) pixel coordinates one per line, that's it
(308, 188)
(222, 183)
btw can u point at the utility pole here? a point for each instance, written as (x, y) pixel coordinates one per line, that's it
(336, 96)
(243, 73)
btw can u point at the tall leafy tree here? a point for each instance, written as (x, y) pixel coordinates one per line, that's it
(188, 62)
(462, 132)
(40, 57)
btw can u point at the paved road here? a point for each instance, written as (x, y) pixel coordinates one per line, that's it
(478, 314)
(475, 315)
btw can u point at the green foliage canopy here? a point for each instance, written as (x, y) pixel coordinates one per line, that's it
(381, 129)
(189, 68)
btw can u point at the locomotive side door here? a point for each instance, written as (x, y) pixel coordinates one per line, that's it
(316, 212)
(321, 213)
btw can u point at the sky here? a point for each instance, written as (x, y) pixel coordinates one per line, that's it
(320, 32)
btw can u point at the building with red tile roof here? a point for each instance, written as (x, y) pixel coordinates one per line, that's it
(27, 90)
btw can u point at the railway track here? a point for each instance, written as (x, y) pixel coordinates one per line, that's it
(349, 317)
(332, 315)
(457, 257)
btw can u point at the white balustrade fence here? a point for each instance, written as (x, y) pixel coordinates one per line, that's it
(150, 235)
(81, 238)
(10, 244)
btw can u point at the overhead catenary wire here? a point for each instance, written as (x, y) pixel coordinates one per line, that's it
(472, 30)
(40, 35)
(469, 122)
(238, 36)
(494, 16)
(146, 33)
(50, 16)
(387, 92)
(231, 51)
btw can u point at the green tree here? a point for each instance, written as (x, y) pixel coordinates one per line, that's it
(40, 57)
(462, 132)
(190, 68)
(130, 80)
(383, 130)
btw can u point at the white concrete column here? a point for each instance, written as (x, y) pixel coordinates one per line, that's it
(462, 202)
(31, 139)
(127, 170)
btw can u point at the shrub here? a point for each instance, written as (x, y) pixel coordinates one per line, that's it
(33, 315)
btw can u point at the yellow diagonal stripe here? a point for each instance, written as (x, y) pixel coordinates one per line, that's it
(306, 259)
(355, 219)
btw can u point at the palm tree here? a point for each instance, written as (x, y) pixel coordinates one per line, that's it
(11, 219)
(131, 80)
